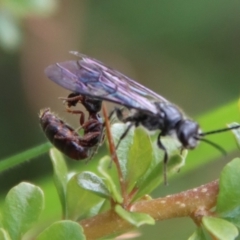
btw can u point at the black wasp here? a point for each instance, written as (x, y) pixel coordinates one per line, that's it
(90, 77)
(65, 138)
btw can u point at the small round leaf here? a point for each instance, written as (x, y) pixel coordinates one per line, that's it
(81, 203)
(92, 182)
(23, 205)
(63, 230)
(220, 228)
(135, 218)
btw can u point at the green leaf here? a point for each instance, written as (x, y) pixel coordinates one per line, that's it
(23, 205)
(138, 151)
(140, 157)
(136, 219)
(229, 194)
(63, 230)
(60, 173)
(154, 175)
(90, 181)
(220, 228)
(25, 8)
(24, 156)
(228, 202)
(198, 235)
(236, 132)
(111, 178)
(4, 234)
(117, 130)
(81, 203)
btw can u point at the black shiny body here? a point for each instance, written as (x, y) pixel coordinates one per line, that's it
(170, 121)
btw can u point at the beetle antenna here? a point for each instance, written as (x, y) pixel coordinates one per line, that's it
(219, 130)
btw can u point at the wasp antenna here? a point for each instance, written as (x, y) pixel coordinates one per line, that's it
(218, 131)
(213, 144)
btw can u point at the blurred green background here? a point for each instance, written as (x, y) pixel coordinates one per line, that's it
(187, 51)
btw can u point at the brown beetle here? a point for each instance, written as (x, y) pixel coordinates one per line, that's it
(67, 140)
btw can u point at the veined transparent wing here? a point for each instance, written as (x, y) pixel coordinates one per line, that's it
(90, 77)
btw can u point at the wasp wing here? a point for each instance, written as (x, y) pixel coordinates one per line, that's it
(92, 78)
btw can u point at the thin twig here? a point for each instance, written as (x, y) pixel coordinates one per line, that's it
(113, 153)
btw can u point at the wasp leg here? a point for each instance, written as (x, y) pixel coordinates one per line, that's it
(81, 113)
(165, 158)
(118, 112)
(133, 122)
(124, 134)
(96, 147)
(93, 135)
(72, 99)
(91, 124)
(88, 140)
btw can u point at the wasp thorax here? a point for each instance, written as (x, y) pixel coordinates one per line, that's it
(187, 133)
(170, 116)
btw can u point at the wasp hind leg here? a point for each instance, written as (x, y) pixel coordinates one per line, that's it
(130, 119)
(165, 158)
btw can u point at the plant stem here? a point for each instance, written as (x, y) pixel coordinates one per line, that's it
(113, 154)
(24, 156)
(178, 205)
